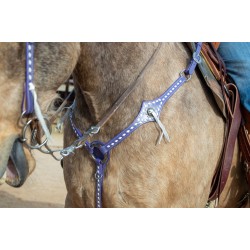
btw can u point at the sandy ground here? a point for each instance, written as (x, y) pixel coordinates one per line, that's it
(44, 187)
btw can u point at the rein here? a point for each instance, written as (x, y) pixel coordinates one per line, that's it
(149, 112)
(128, 91)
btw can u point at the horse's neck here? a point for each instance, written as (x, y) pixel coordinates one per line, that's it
(106, 70)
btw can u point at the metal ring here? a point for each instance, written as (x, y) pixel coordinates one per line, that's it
(98, 144)
(47, 149)
(20, 120)
(24, 139)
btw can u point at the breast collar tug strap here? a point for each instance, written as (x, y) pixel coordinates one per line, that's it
(100, 151)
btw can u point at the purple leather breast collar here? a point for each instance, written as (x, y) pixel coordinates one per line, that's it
(149, 112)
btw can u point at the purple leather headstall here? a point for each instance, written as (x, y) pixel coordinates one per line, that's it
(28, 101)
(149, 112)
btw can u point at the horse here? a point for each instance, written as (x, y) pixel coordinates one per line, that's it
(53, 64)
(140, 171)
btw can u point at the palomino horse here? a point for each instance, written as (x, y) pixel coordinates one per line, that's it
(53, 64)
(140, 173)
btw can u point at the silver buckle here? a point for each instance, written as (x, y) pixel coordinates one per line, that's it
(196, 57)
(188, 77)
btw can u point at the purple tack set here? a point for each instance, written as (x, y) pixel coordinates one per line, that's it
(100, 151)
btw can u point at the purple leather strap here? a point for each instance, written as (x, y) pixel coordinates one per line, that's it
(196, 59)
(28, 101)
(143, 116)
(101, 163)
(100, 151)
(77, 131)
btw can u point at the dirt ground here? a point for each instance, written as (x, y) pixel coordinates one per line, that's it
(44, 187)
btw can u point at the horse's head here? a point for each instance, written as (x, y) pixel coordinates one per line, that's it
(53, 64)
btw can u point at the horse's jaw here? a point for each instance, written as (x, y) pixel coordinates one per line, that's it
(14, 166)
